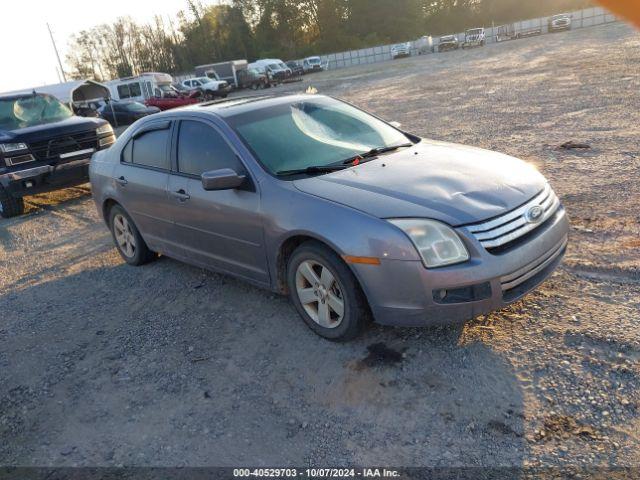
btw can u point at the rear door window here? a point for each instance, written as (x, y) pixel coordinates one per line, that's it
(201, 148)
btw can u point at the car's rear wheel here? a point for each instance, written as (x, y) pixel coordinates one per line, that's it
(127, 238)
(325, 293)
(10, 206)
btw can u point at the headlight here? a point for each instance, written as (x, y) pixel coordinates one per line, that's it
(437, 243)
(12, 147)
(106, 128)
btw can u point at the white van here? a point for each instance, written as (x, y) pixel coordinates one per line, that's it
(312, 64)
(274, 67)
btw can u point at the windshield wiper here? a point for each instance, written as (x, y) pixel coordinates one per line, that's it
(311, 169)
(375, 152)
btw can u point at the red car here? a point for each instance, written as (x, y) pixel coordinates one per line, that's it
(174, 99)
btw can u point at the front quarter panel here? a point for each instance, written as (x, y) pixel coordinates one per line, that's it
(289, 213)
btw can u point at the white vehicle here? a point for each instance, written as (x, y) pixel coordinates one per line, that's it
(273, 67)
(210, 87)
(401, 50)
(424, 45)
(474, 37)
(312, 64)
(560, 22)
(140, 87)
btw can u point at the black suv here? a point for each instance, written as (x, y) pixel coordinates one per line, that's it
(44, 147)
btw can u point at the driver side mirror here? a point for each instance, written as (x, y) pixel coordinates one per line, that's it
(222, 179)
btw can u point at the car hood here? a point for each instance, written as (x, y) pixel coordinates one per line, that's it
(452, 183)
(35, 133)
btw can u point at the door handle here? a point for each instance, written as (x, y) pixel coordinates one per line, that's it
(181, 195)
(122, 181)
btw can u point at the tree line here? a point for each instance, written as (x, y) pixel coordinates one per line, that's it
(287, 29)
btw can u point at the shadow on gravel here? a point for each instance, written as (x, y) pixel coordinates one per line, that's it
(171, 365)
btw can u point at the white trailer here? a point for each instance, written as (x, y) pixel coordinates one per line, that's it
(227, 71)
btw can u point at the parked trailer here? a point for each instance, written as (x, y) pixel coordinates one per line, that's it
(227, 71)
(505, 32)
(510, 32)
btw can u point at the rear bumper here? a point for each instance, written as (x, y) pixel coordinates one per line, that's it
(408, 294)
(46, 178)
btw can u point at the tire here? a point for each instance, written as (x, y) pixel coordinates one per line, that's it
(120, 223)
(10, 206)
(254, 86)
(340, 288)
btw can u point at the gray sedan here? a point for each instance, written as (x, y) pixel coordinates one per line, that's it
(352, 217)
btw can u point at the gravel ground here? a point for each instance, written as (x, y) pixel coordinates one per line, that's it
(169, 365)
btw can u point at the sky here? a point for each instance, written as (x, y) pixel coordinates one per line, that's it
(28, 58)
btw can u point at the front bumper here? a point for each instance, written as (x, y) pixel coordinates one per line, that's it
(45, 178)
(447, 46)
(406, 293)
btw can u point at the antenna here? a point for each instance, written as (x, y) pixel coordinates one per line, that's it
(64, 77)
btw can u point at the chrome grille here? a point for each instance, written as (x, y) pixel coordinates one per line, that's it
(52, 149)
(511, 226)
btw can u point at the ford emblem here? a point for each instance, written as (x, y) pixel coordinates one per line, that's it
(534, 214)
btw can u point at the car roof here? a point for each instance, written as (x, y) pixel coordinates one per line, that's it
(239, 105)
(16, 96)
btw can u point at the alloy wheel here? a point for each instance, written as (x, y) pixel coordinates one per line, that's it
(124, 235)
(320, 294)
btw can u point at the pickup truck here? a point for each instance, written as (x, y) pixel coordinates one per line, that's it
(44, 147)
(210, 88)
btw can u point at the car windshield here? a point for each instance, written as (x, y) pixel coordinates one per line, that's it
(313, 60)
(558, 17)
(314, 132)
(204, 79)
(28, 111)
(274, 66)
(474, 31)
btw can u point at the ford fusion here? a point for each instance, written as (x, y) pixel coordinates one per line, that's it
(350, 216)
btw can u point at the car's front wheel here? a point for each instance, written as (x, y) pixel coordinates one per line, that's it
(10, 206)
(129, 242)
(325, 293)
